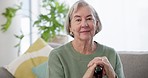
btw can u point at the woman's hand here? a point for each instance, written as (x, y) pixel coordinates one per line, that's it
(103, 61)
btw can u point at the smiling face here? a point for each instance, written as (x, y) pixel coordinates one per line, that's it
(83, 23)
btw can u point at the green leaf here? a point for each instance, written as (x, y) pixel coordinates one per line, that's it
(19, 36)
(9, 14)
(52, 23)
(6, 25)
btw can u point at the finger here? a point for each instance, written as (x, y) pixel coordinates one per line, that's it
(104, 73)
(105, 59)
(96, 60)
(107, 67)
(90, 64)
(90, 71)
(93, 61)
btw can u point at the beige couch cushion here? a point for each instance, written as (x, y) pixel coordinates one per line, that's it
(135, 65)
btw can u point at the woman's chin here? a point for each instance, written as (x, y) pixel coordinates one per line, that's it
(86, 37)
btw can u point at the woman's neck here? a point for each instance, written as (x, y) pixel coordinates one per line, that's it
(84, 47)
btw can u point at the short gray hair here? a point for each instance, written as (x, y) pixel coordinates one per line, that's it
(75, 6)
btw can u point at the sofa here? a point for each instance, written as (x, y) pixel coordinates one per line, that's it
(134, 63)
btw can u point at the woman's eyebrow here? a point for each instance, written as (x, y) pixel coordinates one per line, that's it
(75, 16)
(78, 16)
(89, 15)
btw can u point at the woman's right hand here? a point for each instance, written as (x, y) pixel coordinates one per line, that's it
(103, 61)
(90, 71)
(91, 67)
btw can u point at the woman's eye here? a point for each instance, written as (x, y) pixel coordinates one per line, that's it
(89, 19)
(78, 20)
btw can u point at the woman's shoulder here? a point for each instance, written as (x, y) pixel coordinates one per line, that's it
(61, 48)
(106, 49)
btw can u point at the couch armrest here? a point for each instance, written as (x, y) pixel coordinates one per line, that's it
(4, 73)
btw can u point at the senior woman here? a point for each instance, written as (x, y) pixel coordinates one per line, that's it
(79, 57)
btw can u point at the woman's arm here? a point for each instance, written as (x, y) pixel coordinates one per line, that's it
(119, 67)
(54, 66)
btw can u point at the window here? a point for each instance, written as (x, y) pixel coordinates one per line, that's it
(30, 11)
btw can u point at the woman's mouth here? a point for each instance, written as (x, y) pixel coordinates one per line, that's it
(84, 31)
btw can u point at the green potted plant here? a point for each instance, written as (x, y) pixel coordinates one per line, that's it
(51, 24)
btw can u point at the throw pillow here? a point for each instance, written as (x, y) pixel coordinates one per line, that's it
(41, 70)
(35, 55)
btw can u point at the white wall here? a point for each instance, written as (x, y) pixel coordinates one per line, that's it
(125, 23)
(7, 39)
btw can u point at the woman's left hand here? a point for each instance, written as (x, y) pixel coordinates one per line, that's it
(107, 67)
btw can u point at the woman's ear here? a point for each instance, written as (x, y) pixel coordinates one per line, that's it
(70, 29)
(71, 32)
(97, 26)
(97, 22)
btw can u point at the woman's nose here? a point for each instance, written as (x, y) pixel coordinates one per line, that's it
(84, 23)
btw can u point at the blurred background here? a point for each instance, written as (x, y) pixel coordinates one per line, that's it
(124, 25)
